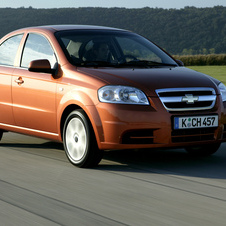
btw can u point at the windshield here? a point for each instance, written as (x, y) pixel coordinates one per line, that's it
(111, 48)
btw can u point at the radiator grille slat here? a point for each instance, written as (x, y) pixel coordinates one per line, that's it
(193, 135)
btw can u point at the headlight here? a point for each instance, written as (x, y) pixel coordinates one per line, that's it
(122, 95)
(222, 89)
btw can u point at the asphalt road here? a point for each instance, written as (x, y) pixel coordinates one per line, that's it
(38, 186)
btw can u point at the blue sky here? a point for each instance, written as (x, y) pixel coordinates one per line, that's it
(177, 4)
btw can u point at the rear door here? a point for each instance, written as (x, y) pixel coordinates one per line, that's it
(8, 52)
(34, 94)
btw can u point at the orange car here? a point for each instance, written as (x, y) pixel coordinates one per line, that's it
(97, 88)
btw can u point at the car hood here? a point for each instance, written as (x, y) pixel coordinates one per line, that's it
(148, 80)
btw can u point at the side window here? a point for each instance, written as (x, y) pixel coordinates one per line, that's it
(8, 50)
(36, 48)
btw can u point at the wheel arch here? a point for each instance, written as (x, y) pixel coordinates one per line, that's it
(65, 114)
(92, 116)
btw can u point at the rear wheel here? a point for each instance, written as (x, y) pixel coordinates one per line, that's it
(203, 150)
(79, 141)
(1, 134)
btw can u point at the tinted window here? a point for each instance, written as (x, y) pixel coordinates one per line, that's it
(8, 50)
(36, 48)
(111, 48)
(133, 48)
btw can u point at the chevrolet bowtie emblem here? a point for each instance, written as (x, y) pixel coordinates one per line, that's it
(189, 99)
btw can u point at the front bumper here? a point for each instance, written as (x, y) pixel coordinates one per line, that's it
(134, 127)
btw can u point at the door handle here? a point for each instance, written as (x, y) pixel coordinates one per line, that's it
(19, 81)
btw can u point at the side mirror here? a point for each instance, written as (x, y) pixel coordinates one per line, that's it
(180, 63)
(42, 66)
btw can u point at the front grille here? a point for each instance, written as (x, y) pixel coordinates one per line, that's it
(187, 99)
(138, 137)
(193, 135)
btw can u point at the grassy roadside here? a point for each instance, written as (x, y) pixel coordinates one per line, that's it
(218, 72)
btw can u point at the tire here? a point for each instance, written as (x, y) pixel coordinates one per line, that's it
(79, 141)
(204, 150)
(1, 134)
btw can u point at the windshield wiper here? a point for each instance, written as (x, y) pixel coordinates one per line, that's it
(144, 63)
(132, 63)
(95, 64)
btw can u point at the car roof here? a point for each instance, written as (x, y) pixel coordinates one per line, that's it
(63, 27)
(78, 27)
(71, 27)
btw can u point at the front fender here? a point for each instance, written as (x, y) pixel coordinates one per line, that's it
(79, 99)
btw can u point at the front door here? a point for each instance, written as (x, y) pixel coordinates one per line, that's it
(34, 100)
(34, 94)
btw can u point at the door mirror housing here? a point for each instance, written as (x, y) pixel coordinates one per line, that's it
(42, 66)
(180, 63)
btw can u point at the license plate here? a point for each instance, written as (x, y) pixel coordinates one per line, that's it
(195, 122)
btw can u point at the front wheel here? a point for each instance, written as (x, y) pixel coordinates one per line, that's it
(203, 150)
(79, 141)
